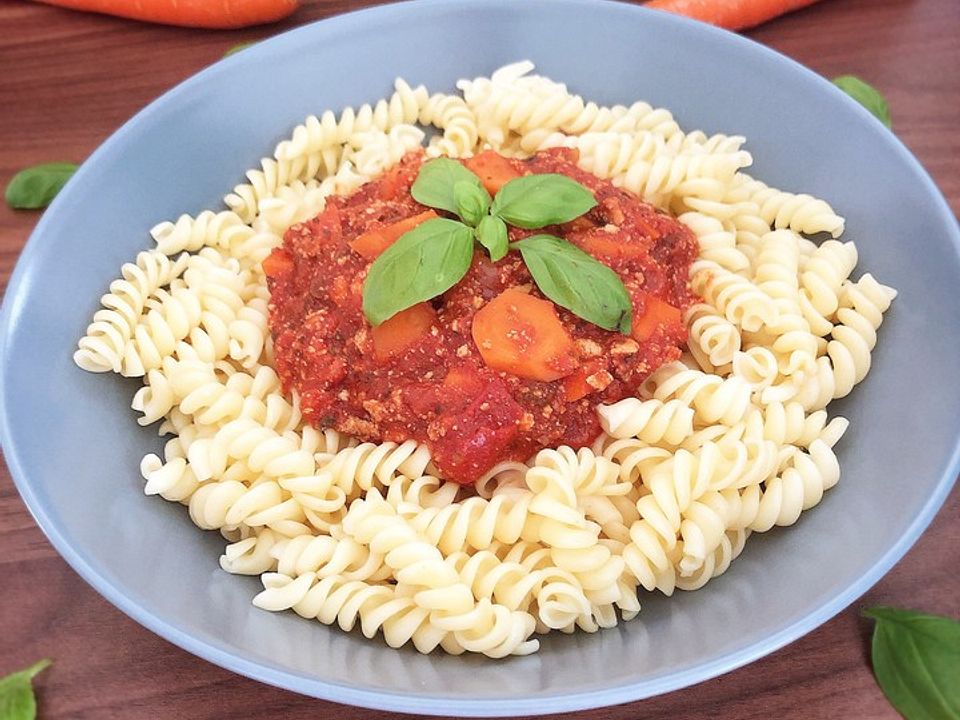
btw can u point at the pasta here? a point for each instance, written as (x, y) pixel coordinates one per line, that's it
(732, 439)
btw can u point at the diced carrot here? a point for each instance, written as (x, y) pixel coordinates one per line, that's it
(730, 14)
(374, 242)
(202, 14)
(603, 245)
(277, 263)
(575, 385)
(393, 336)
(520, 334)
(656, 313)
(494, 170)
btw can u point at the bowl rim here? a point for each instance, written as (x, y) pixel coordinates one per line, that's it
(15, 297)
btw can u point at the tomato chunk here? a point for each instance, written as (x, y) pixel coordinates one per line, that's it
(278, 263)
(494, 170)
(575, 385)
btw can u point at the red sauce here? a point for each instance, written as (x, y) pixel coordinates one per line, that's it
(438, 389)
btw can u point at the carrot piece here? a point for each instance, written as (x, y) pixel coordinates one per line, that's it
(390, 183)
(603, 246)
(520, 334)
(575, 385)
(277, 263)
(374, 242)
(463, 378)
(393, 336)
(730, 14)
(656, 313)
(189, 13)
(494, 170)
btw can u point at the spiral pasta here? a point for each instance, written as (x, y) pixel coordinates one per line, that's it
(732, 439)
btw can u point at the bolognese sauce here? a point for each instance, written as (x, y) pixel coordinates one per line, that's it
(422, 375)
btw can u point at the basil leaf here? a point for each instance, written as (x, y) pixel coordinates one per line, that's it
(434, 186)
(492, 234)
(534, 201)
(916, 659)
(239, 47)
(574, 280)
(866, 95)
(420, 265)
(472, 202)
(17, 701)
(34, 187)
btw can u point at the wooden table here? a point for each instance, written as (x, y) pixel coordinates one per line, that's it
(68, 80)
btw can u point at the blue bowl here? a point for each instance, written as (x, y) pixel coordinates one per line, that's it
(73, 447)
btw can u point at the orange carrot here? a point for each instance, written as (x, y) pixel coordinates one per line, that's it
(277, 263)
(603, 246)
(730, 14)
(221, 14)
(656, 313)
(374, 242)
(520, 334)
(494, 170)
(395, 335)
(576, 385)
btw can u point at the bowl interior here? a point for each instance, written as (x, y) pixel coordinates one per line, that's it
(73, 445)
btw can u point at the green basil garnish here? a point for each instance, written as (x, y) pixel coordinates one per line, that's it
(574, 280)
(866, 95)
(17, 701)
(472, 202)
(434, 186)
(35, 187)
(420, 265)
(916, 659)
(492, 234)
(535, 201)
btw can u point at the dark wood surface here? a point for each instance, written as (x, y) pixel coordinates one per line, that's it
(68, 80)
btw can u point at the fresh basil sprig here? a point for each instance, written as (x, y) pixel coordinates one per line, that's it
(17, 701)
(574, 280)
(866, 95)
(535, 201)
(436, 182)
(35, 187)
(433, 257)
(916, 659)
(420, 265)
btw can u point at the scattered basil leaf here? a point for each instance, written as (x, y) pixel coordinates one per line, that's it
(17, 701)
(420, 265)
(472, 201)
(237, 48)
(492, 234)
(35, 187)
(574, 280)
(535, 201)
(866, 95)
(916, 659)
(434, 186)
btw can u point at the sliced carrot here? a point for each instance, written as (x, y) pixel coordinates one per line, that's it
(393, 336)
(189, 13)
(494, 170)
(730, 14)
(374, 242)
(575, 385)
(520, 334)
(605, 246)
(277, 263)
(656, 313)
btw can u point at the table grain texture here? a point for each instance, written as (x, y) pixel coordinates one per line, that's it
(68, 80)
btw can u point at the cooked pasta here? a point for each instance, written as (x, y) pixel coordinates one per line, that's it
(731, 440)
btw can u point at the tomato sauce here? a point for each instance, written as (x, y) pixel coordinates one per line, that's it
(434, 386)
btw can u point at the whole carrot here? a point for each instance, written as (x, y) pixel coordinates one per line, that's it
(189, 13)
(730, 14)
